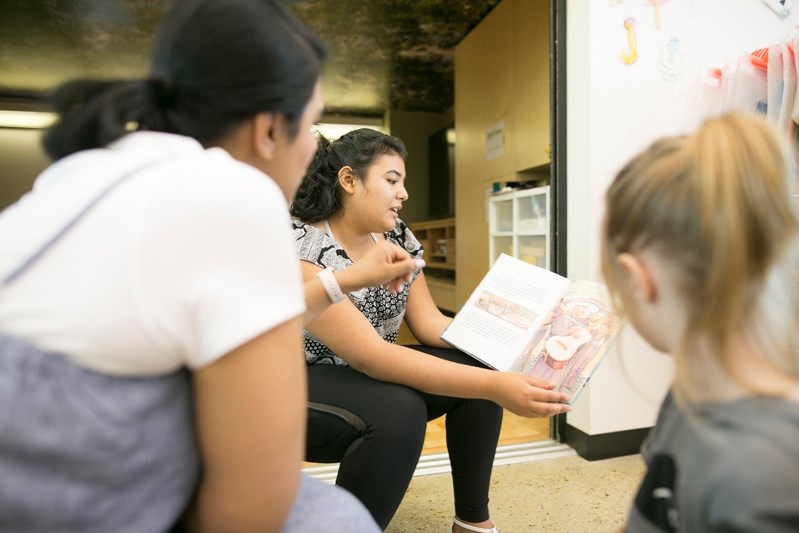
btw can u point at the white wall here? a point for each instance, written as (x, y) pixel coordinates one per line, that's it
(613, 111)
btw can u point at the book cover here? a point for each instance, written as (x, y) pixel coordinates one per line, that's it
(523, 318)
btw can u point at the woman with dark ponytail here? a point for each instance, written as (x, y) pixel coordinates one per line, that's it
(384, 394)
(151, 308)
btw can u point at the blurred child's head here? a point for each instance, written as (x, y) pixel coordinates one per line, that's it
(706, 223)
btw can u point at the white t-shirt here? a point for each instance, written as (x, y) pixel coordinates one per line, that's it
(183, 262)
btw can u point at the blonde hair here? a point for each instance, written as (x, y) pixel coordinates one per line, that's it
(719, 206)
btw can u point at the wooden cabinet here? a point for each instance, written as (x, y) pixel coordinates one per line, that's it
(501, 78)
(438, 239)
(484, 92)
(502, 108)
(531, 130)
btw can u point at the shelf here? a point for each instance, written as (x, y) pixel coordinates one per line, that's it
(519, 225)
(442, 266)
(436, 282)
(524, 233)
(437, 237)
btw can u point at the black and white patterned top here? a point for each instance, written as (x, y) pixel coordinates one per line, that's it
(385, 310)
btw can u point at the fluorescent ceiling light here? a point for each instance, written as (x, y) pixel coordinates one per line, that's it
(26, 119)
(331, 132)
(334, 126)
(40, 119)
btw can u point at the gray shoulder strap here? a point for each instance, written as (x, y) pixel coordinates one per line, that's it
(70, 223)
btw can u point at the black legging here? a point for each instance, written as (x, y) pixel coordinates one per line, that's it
(378, 465)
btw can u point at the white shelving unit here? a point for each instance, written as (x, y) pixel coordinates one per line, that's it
(518, 225)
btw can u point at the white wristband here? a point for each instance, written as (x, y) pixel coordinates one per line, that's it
(330, 284)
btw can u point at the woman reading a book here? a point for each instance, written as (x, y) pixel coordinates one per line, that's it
(348, 203)
(700, 247)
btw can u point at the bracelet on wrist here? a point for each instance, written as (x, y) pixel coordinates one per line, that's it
(330, 284)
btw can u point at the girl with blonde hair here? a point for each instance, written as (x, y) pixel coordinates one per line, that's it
(699, 249)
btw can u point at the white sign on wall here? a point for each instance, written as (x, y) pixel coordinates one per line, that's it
(495, 141)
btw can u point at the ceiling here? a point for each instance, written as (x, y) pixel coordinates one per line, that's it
(385, 54)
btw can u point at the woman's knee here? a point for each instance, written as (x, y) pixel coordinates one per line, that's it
(393, 416)
(400, 414)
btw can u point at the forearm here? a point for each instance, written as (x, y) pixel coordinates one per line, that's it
(425, 373)
(381, 267)
(316, 298)
(430, 332)
(367, 352)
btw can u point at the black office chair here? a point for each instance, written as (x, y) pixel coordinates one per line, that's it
(332, 433)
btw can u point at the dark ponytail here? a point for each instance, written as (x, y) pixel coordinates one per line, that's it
(214, 65)
(318, 196)
(94, 113)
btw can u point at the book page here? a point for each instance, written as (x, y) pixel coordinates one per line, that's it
(573, 339)
(503, 312)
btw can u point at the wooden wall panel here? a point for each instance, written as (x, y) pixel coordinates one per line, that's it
(501, 75)
(531, 105)
(484, 93)
(472, 236)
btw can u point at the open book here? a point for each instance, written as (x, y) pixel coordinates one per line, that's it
(523, 318)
